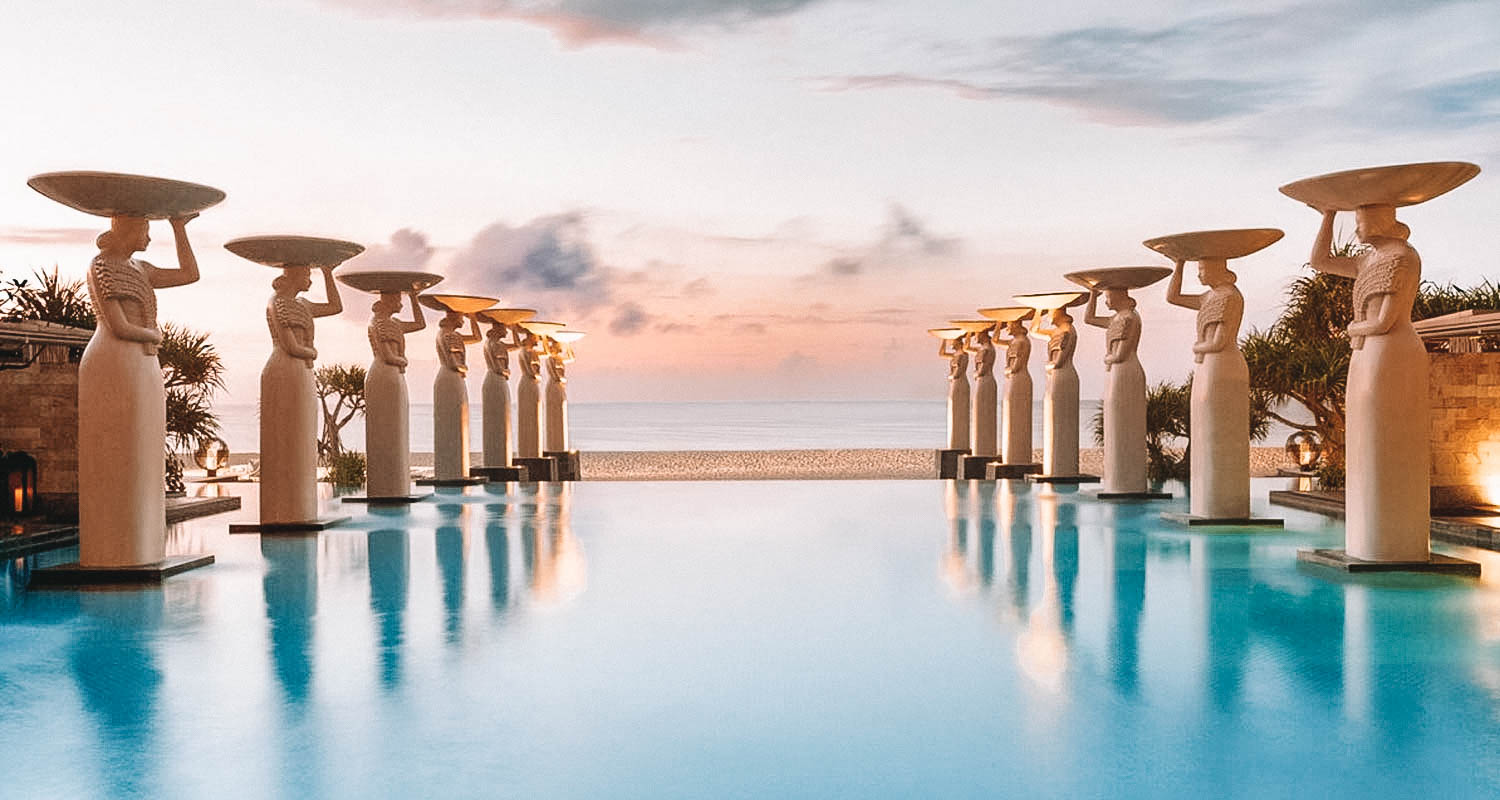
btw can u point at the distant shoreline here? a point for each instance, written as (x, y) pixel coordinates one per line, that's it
(802, 464)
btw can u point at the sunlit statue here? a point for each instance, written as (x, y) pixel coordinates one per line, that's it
(559, 354)
(952, 346)
(1219, 455)
(387, 408)
(982, 438)
(529, 394)
(1016, 408)
(450, 397)
(1125, 387)
(498, 342)
(1388, 460)
(1060, 401)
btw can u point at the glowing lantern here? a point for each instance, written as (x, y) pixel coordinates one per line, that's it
(1304, 449)
(18, 471)
(212, 455)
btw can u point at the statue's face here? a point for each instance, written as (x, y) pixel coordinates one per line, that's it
(1371, 221)
(1115, 299)
(132, 233)
(300, 278)
(1214, 273)
(389, 303)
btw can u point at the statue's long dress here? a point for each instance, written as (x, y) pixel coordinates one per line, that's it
(122, 431)
(1017, 407)
(1125, 411)
(1388, 460)
(450, 414)
(986, 406)
(288, 421)
(1060, 411)
(528, 413)
(496, 413)
(557, 415)
(958, 402)
(1219, 425)
(388, 468)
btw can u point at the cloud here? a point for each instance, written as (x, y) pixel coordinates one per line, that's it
(407, 249)
(676, 327)
(56, 236)
(1226, 66)
(701, 287)
(579, 23)
(901, 240)
(629, 320)
(551, 255)
(750, 328)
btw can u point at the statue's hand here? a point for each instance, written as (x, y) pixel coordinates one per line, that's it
(178, 223)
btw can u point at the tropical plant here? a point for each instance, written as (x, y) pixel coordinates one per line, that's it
(51, 299)
(347, 469)
(191, 372)
(1169, 427)
(345, 386)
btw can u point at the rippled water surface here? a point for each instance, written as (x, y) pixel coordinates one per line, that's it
(755, 639)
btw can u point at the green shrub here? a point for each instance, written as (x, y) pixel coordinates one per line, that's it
(347, 469)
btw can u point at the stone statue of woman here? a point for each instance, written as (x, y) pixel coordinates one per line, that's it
(388, 473)
(450, 397)
(957, 353)
(496, 394)
(985, 412)
(122, 422)
(1124, 392)
(1016, 408)
(1388, 458)
(1060, 403)
(289, 399)
(529, 394)
(559, 355)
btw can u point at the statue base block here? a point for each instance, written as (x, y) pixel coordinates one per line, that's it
(449, 481)
(1134, 495)
(387, 500)
(1063, 479)
(75, 574)
(499, 474)
(948, 462)
(996, 471)
(267, 528)
(1236, 522)
(567, 463)
(972, 468)
(1436, 563)
(539, 469)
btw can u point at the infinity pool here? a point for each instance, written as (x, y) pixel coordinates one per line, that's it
(763, 639)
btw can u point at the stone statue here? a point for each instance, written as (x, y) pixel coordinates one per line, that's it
(122, 423)
(529, 394)
(289, 399)
(957, 352)
(982, 439)
(499, 341)
(1060, 403)
(1124, 392)
(1016, 408)
(1388, 458)
(450, 397)
(387, 441)
(559, 355)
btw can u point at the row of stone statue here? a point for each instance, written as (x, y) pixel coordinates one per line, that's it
(1387, 449)
(121, 405)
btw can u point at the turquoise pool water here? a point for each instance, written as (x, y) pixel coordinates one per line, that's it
(818, 639)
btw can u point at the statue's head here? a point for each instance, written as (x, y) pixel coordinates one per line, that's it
(388, 303)
(451, 320)
(1016, 327)
(497, 331)
(1214, 272)
(1118, 299)
(293, 280)
(126, 235)
(1375, 221)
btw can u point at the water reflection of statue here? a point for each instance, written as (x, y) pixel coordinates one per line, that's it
(388, 562)
(289, 587)
(559, 355)
(122, 424)
(451, 541)
(1124, 393)
(1388, 457)
(955, 566)
(956, 351)
(496, 395)
(1220, 419)
(529, 395)
(1060, 404)
(386, 406)
(982, 429)
(114, 665)
(450, 397)
(289, 399)
(1016, 409)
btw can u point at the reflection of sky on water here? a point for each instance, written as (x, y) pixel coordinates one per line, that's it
(756, 638)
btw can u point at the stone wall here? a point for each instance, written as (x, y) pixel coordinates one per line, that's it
(39, 414)
(1465, 430)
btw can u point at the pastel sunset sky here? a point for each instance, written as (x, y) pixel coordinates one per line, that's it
(741, 199)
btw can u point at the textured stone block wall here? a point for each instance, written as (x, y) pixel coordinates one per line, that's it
(39, 414)
(1465, 392)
